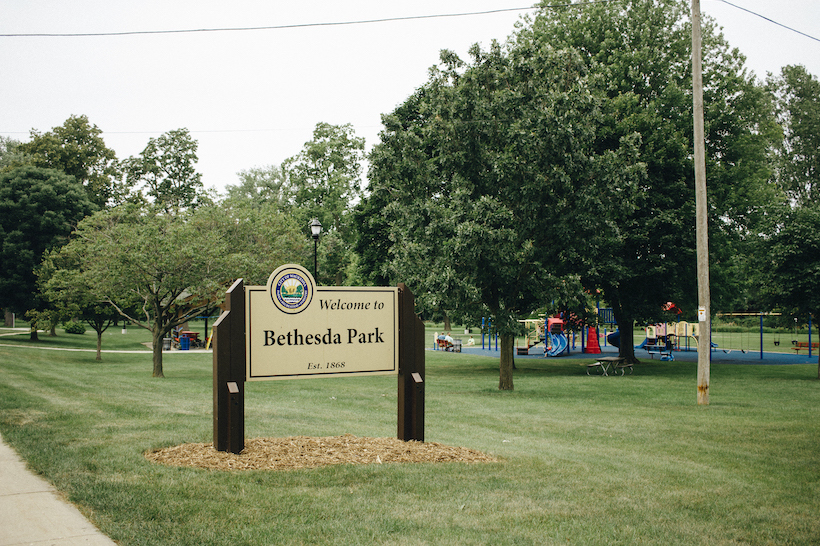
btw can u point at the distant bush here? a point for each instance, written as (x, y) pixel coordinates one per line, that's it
(74, 327)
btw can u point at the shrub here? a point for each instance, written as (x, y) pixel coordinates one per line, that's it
(74, 327)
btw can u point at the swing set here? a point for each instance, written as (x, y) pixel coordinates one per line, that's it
(744, 339)
(727, 341)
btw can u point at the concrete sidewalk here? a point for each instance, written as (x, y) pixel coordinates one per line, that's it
(32, 512)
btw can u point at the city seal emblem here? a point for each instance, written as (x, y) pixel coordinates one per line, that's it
(291, 288)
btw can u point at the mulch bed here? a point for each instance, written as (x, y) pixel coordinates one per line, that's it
(311, 452)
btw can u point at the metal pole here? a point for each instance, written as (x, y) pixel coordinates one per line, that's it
(315, 262)
(701, 220)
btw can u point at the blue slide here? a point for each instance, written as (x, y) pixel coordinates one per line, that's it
(614, 339)
(559, 344)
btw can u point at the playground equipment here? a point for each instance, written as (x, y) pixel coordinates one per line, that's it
(686, 335)
(798, 345)
(614, 339)
(489, 333)
(534, 335)
(558, 341)
(658, 341)
(592, 342)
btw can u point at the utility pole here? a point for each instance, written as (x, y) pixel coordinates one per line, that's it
(701, 218)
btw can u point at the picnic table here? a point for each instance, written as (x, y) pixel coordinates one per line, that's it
(610, 364)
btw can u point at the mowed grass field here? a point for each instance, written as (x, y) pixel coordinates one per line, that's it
(582, 459)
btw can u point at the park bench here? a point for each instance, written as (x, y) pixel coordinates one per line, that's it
(804, 345)
(663, 349)
(666, 354)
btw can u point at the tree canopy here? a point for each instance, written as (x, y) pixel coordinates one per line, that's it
(790, 263)
(492, 182)
(160, 270)
(62, 283)
(797, 95)
(10, 154)
(165, 172)
(788, 255)
(259, 186)
(77, 149)
(324, 180)
(641, 49)
(38, 209)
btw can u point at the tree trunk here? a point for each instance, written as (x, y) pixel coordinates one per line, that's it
(53, 332)
(627, 348)
(157, 334)
(505, 380)
(33, 336)
(625, 323)
(446, 322)
(99, 345)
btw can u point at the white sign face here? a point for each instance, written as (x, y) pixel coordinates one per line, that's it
(701, 314)
(295, 329)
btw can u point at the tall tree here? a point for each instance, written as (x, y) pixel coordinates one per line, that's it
(789, 257)
(492, 183)
(165, 172)
(373, 237)
(76, 148)
(641, 49)
(38, 209)
(325, 178)
(61, 282)
(164, 261)
(258, 186)
(798, 106)
(10, 154)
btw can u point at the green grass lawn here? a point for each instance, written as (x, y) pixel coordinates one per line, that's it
(113, 339)
(583, 460)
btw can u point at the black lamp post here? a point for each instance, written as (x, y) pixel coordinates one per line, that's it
(315, 230)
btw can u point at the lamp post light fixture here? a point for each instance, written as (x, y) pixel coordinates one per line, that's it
(315, 231)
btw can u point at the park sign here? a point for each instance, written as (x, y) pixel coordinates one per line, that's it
(295, 329)
(290, 328)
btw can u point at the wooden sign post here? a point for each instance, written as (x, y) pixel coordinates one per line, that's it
(411, 369)
(229, 372)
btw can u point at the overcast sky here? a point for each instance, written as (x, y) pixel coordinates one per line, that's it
(251, 98)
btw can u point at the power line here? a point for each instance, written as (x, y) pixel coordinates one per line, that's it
(357, 22)
(771, 20)
(273, 27)
(298, 25)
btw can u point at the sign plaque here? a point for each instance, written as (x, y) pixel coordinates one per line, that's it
(295, 329)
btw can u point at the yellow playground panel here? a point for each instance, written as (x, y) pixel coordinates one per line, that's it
(535, 331)
(681, 331)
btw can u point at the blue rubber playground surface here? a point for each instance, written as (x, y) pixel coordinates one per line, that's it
(718, 355)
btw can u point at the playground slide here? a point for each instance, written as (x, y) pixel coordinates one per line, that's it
(614, 339)
(559, 344)
(642, 345)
